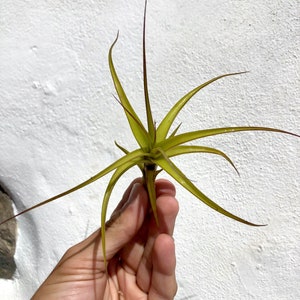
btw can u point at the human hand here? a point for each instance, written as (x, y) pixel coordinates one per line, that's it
(140, 255)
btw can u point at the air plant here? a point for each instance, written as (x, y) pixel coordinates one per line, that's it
(157, 146)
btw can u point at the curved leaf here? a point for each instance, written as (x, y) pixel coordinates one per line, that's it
(198, 134)
(179, 150)
(126, 152)
(136, 125)
(173, 171)
(134, 157)
(168, 120)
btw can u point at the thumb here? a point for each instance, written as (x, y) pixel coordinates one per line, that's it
(126, 221)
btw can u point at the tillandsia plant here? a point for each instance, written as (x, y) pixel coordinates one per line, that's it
(157, 146)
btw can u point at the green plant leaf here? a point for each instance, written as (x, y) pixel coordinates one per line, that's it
(137, 128)
(126, 152)
(179, 150)
(173, 171)
(135, 157)
(175, 130)
(150, 122)
(121, 148)
(149, 178)
(198, 134)
(163, 128)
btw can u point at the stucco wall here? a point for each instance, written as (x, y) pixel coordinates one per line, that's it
(59, 121)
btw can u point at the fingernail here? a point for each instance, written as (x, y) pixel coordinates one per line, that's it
(133, 193)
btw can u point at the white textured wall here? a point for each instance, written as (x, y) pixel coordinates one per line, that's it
(59, 121)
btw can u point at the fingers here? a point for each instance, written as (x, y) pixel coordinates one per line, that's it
(167, 209)
(130, 214)
(163, 281)
(164, 187)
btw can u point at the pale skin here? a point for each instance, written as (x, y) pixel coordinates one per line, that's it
(140, 255)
